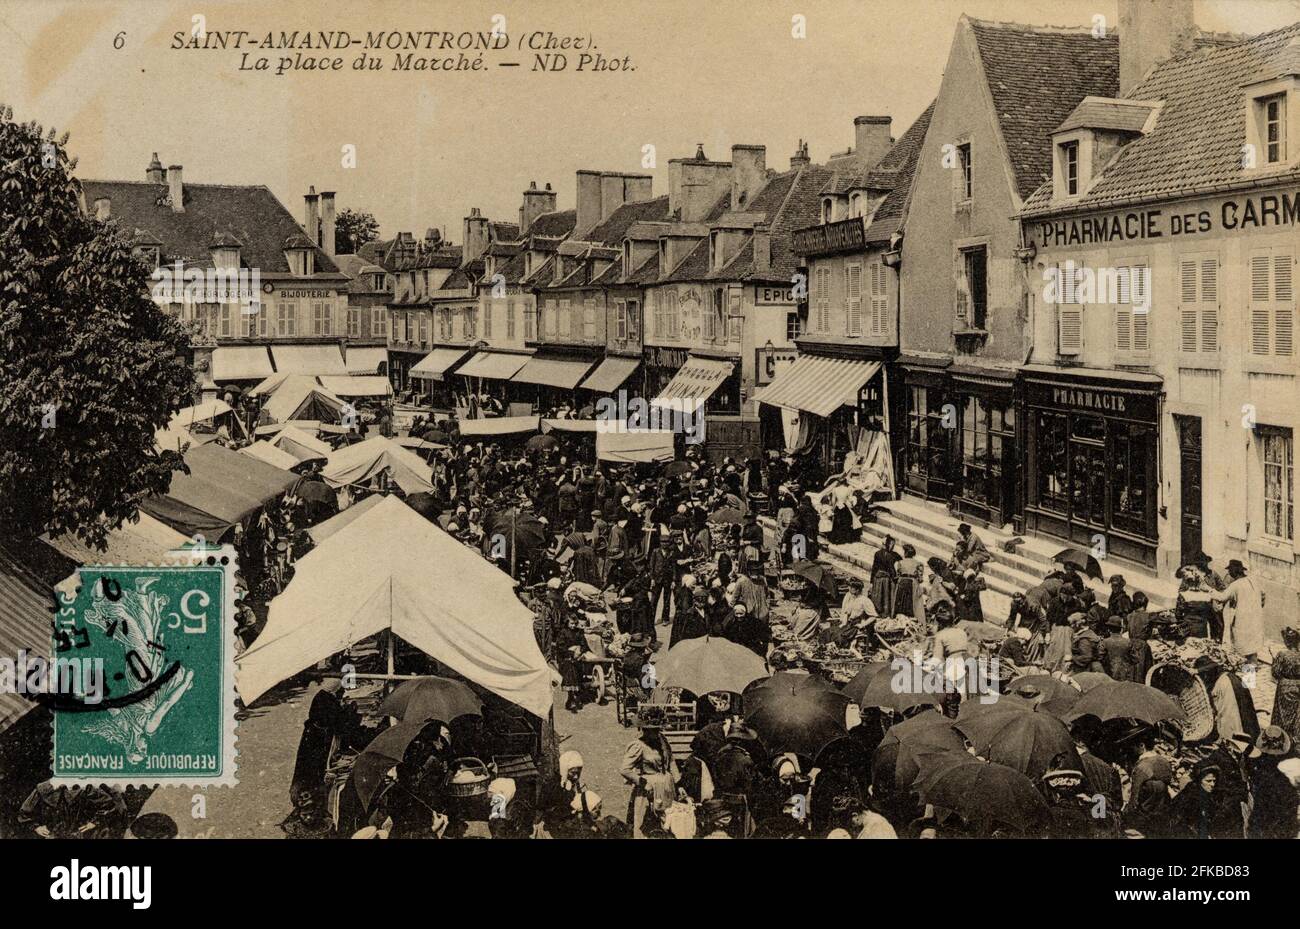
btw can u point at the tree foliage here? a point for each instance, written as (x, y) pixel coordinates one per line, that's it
(353, 229)
(80, 339)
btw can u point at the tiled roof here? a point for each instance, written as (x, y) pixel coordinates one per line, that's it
(1036, 77)
(513, 270)
(503, 232)
(901, 161)
(614, 228)
(1197, 139)
(1117, 115)
(251, 214)
(543, 273)
(555, 225)
(648, 273)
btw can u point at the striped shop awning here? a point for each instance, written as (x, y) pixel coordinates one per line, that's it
(495, 366)
(25, 625)
(818, 385)
(553, 371)
(435, 364)
(610, 375)
(696, 380)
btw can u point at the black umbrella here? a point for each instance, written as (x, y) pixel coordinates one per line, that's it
(677, 468)
(1081, 560)
(527, 531)
(431, 697)
(803, 723)
(386, 750)
(857, 687)
(540, 443)
(426, 504)
(982, 792)
(817, 574)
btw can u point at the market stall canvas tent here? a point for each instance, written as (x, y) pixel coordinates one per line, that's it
(221, 489)
(391, 569)
(361, 463)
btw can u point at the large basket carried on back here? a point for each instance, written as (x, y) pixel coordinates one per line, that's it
(1188, 689)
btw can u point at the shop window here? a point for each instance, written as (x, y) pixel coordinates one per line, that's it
(1088, 428)
(927, 434)
(987, 428)
(1279, 481)
(1198, 303)
(1272, 304)
(1132, 461)
(1051, 444)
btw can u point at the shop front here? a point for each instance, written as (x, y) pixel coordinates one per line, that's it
(433, 375)
(550, 378)
(931, 428)
(1092, 463)
(987, 458)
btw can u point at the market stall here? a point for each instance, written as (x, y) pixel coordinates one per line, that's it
(361, 463)
(221, 489)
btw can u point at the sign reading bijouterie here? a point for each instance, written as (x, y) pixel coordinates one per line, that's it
(1242, 214)
(848, 235)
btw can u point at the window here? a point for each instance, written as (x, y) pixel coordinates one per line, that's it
(1272, 306)
(972, 290)
(967, 187)
(711, 317)
(1133, 311)
(424, 328)
(1198, 303)
(510, 319)
(1070, 162)
(425, 275)
(488, 307)
(822, 300)
(530, 322)
(1279, 468)
(1132, 461)
(1053, 461)
(1069, 316)
(987, 429)
(735, 317)
(670, 315)
(287, 319)
(399, 327)
(793, 326)
(879, 284)
(927, 436)
(633, 320)
(320, 318)
(589, 318)
(377, 327)
(467, 322)
(228, 311)
(257, 319)
(828, 210)
(566, 318)
(354, 324)
(620, 321)
(853, 298)
(1274, 119)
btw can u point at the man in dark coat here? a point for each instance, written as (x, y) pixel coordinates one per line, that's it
(693, 622)
(808, 522)
(1116, 651)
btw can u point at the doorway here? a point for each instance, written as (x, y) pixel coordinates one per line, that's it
(1189, 467)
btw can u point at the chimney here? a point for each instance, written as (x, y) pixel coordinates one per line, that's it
(536, 202)
(695, 185)
(800, 157)
(637, 187)
(748, 173)
(1151, 31)
(476, 236)
(103, 208)
(588, 203)
(762, 248)
(327, 222)
(312, 222)
(871, 139)
(611, 193)
(176, 189)
(155, 174)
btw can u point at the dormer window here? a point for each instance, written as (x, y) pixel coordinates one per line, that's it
(1273, 118)
(828, 209)
(1070, 166)
(855, 205)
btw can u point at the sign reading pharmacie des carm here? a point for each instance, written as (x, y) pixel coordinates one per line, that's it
(848, 235)
(1229, 216)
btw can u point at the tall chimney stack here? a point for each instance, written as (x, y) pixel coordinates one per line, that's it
(176, 189)
(155, 174)
(475, 241)
(327, 222)
(312, 221)
(871, 139)
(1151, 31)
(800, 157)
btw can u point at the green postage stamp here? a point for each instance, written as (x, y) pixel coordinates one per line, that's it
(153, 648)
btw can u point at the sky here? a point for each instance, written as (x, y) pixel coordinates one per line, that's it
(431, 145)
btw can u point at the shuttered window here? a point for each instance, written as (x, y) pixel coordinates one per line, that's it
(566, 318)
(853, 298)
(822, 300)
(589, 318)
(1133, 310)
(1272, 303)
(1069, 319)
(879, 298)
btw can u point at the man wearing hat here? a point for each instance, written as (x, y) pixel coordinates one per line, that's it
(1116, 650)
(692, 622)
(1273, 815)
(1120, 603)
(1234, 707)
(1243, 614)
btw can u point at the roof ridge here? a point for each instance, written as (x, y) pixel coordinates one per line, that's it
(1036, 28)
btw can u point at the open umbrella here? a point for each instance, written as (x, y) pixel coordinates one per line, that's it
(981, 792)
(937, 565)
(897, 760)
(1053, 694)
(528, 532)
(431, 698)
(803, 723)
(386, 750)
(426, 504)
(1126, 700)
(817, 574)
(856, 687)
(783, 684)
(540, 443)
(1087, 680)
(1021, 737)
(726, 516)
(1080, 559)
(677, 468)
(707, 664)
(902, 685)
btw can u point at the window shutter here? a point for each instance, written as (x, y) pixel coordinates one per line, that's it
(823, 300)
(1069, 328)
(1123, 327)
(1141, 339)
(1259, 330)
(1259, 277)
(1187, 277)
(854, 291)
(1209, 304)
(1189, 298)
(1283, 307)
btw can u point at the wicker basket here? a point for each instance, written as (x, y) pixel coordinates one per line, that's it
(1189, 690)
(469, 778)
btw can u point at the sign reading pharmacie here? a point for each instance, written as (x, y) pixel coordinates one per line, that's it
(1135, 400)
(849, 235)
(1229, 216)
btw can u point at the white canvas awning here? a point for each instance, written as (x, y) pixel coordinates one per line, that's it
(435, 364)
(372, 385)
(265, 451)
(300, 397)
(308, 359)
(499, 425)
(360, 463)
(391, 568)
(302, 445)
(819, 385)
(366, 359)
(241, 363)
(635, 447)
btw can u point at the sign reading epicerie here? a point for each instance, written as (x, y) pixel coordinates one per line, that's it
(1245, 214)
